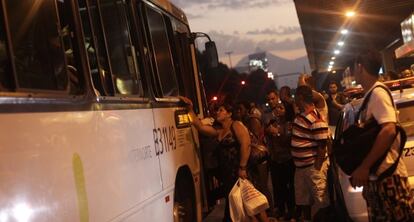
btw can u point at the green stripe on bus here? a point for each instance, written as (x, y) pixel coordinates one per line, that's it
(80, 188)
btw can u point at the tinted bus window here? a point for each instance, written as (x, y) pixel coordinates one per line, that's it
(180, 35)
(66, 33)
(6, 75)
(121, 51)
(162, 53)
(39, 56)
(95, 47)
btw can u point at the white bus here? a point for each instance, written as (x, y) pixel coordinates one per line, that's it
(91, 128)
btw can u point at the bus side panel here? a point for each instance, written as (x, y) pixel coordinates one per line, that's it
(154, 210)
(178, 151)
(68, 166)
(408, 156)
(130, 172)
(36, 164)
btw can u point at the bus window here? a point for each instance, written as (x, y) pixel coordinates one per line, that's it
(76, 82)
(121, 51)
(95, 47)
(180, 36)
(162, 54)
(39, 56)
(6, 75)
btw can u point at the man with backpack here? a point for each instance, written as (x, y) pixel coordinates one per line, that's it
(388, 198)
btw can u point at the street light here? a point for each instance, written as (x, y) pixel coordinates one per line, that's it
(350, 14)
(229, 55)
(243, 82)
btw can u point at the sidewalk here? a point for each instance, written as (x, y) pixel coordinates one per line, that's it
(217, 214)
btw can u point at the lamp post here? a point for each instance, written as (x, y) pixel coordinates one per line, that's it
(229, 55)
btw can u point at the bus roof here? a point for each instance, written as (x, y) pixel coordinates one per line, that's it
(172, 9)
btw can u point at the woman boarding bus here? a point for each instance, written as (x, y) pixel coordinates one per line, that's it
(92, 128)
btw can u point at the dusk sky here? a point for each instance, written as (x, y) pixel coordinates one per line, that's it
(247, 26)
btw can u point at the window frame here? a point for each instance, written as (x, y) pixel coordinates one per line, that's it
(115, 96)
(105, 84)
(8, 45)
(24, 93)
(126, 18)
(18, 88)
(183, 56)
(155, 76)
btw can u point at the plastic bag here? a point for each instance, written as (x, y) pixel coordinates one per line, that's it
(237, 212)
(254, 202)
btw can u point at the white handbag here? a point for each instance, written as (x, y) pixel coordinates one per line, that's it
(237, 212)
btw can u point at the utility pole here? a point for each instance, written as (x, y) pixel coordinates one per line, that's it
(229, 55)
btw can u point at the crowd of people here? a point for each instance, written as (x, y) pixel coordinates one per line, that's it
(296, 131)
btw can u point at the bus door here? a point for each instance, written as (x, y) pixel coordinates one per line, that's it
(172, 75)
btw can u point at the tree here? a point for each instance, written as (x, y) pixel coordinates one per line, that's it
(257, 85)
(226, 84)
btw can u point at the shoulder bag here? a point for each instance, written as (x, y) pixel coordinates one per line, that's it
(258, 151)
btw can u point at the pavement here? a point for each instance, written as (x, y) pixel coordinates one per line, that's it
(216, 215)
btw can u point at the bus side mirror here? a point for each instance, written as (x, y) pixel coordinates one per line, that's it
(211, 53)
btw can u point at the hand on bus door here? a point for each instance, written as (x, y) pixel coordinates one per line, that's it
(187, 102)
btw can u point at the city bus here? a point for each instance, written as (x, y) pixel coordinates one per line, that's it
(91, 125)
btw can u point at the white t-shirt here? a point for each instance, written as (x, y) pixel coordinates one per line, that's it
(380, 107)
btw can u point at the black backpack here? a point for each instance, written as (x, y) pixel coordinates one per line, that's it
(354, 144)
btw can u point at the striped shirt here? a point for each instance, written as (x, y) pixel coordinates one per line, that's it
(308, 131)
